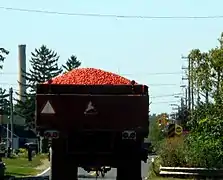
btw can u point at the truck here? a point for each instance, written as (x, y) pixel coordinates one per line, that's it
(94, 126)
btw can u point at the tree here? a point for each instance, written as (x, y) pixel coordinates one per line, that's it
(71, 63)
(3, 53)
(183, 116)
(44, 66)
(206, 122)
(207, 71)
(155, 131)
(4, 103)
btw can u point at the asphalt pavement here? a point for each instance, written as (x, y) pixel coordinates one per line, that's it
(111, 175)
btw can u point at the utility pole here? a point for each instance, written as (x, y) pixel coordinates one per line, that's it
(188, 78)
(189, 90)
(2, 109)
(186, 98)
(189, 84)
(11, 114)
(192, 84)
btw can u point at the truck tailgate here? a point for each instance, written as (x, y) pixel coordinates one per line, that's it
(107, 112)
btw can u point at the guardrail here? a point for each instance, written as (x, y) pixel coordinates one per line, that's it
(195, 172)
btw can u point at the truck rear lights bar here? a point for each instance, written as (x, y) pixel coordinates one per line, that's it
(131, 135)
(51, 134)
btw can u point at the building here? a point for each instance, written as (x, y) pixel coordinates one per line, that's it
(21, 136)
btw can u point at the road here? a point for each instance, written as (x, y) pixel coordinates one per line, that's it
(111, 175)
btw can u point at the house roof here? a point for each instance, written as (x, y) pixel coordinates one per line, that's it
(19, 131)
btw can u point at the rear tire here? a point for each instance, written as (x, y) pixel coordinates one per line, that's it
(62, 166)
(130, 170)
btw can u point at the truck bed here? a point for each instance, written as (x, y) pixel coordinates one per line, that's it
(116, 107)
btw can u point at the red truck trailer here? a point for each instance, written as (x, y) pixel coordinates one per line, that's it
(93, 126)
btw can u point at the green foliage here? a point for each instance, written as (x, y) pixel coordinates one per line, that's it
(202, 111)
(44, 66)
(196, 150)
(207, 72)
(26, 110)
(4, 102)
(205, 151)
(155, 132)
(154, 167)
(3, 53)
(183, 116)
(71, 64)
(20, 166)
(173, 152)
(206, 140)
(203, 147)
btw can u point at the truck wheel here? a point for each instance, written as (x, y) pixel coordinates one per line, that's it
(62, 166)
(130, 170)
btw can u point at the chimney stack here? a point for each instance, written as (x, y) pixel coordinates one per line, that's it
(22, 70)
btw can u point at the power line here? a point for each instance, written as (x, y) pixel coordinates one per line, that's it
(14, 84)
(164, 102)
(163, 85)
(156, 73)
(152, 97)
(166, 95)
(122, 74)
(109, 15)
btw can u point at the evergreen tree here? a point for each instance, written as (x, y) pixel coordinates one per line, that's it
(71, 63)
(44, 66)
(3, 53)
(4, 103)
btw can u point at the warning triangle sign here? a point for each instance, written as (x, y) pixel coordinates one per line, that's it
(90, 109)
(48, 109)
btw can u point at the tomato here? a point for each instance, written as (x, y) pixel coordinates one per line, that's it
(89, 76)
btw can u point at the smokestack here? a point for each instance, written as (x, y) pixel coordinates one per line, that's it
(22, 70)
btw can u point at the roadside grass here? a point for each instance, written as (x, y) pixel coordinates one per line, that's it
(161, 178)
(154, 171)
(20, 166)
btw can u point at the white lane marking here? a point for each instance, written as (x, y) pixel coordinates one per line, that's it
(42, 173)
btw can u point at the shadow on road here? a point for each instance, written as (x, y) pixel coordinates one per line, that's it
(92, 177)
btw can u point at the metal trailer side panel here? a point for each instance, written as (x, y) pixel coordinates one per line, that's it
(92, 89)
(112, 112)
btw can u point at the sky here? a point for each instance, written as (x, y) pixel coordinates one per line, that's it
(139, 49)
